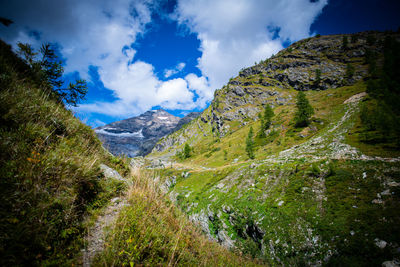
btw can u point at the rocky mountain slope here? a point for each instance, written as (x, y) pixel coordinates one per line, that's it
(137, 136)
(325, 194)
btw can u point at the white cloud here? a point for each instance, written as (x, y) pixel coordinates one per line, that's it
(178, 68)
(174, 94)
(202, 88)
(234, 33)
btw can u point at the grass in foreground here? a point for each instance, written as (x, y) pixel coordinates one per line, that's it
(50, 178)
(152, 231)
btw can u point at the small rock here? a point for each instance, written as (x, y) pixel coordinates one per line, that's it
(385, 193)
(364, 175)
(380, 243)
(137, 162)
(352, 233)
(393, 263)
(226, 209)
(115, 199)
(280, 203)
(220, 186)
(377, 201)
(111, 173)
(393, 184)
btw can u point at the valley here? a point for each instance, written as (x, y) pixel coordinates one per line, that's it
(295, 162)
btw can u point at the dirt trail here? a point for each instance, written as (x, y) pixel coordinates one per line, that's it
(97, 234)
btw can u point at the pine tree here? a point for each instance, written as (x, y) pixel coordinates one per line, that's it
(265, 120)
(49, 68)
(349, 71)
(250, 144)
(317, 80)
(345, 42)
(304, 110)
(186, 151)
(261, 133)
(268, 114)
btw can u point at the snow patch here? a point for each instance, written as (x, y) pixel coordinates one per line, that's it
(163, 118)
(137, 134)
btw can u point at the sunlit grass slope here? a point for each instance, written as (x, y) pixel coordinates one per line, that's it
(50, 175)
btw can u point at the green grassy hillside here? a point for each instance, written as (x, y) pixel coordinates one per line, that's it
(50, 175)
(53, 191)
(327, 193)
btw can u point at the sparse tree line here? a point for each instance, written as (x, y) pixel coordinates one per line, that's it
(302, 118)
(383, 87)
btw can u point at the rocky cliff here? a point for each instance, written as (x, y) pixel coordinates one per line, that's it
(136, 136)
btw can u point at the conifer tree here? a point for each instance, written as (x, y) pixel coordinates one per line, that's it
(261, 133)
(49, 68)
(345, 43)
(265, 120)
(250, 144)
(349, 71)
(186, 151)
(268, 114)
(304, 110)
(317, 80)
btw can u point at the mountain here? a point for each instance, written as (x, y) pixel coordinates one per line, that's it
(323, 194)
(137, 136)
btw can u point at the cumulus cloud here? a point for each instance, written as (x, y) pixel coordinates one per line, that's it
(237, 33)
(178, 68)
(232, 34)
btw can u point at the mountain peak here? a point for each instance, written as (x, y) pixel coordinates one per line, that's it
(136, 136)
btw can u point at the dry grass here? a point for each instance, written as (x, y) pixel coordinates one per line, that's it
(152, 231)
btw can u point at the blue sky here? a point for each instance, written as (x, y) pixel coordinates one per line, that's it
(145, 54)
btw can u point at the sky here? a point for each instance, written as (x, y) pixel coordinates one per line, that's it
(138, 55)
